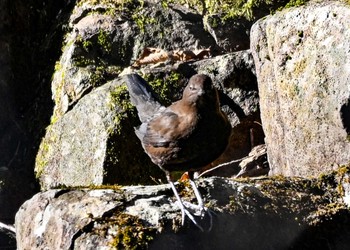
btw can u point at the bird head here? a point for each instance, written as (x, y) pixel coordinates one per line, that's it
(200, 91)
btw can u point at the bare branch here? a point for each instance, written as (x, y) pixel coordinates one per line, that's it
(4, 227)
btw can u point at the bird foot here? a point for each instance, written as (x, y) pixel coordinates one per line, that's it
(193, 210)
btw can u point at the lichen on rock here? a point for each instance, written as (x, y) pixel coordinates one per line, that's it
(301, 63)
(282, 212)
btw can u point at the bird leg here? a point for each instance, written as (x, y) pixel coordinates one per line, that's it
(202, 208)
(184, 211)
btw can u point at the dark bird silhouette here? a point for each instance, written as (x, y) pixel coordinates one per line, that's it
(185, 136)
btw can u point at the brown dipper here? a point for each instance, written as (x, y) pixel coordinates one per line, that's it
(186, 136)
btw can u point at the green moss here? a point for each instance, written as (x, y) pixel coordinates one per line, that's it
(295, 3)
(110, 7)
(131, 233)
(317, 198)
(58, 66)
(45, 145)
(59, 76)
(104, 40)
(114, 187)
(44, 152)
(83, 61)
(122, 231)
(120, 99)
(142, 20)
(98, 76)
(41, 159)
(87, 45)
(326, 213)
(104, 2)
(165, 86)
(342, 170)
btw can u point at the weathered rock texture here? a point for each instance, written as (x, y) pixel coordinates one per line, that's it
(302, 59)
(103, 42)
(102, 38)
(74, 151)
(91, 139)
(276, 213)
(96, 137)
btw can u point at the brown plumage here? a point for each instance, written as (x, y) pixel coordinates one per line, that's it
(185, 136)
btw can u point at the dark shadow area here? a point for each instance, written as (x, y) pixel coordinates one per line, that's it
(259, 231)
(225, 100)
(239, 232)
(31, 38)
(7, 241)
(333, 233)
(345, 116)
(129, 168)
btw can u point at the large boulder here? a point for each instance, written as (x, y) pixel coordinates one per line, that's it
(146, 217)
(302, 59)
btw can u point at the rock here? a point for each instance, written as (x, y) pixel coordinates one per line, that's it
(90, 144)
(100, 43)
(255, 164)
(302, 56)
(230, 35)
(103, 39)
(147, 217)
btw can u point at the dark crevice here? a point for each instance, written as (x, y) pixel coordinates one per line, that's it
(345, 115)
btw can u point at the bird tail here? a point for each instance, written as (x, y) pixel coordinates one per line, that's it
(142, 96)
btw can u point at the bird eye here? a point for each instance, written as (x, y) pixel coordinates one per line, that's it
(192, 87)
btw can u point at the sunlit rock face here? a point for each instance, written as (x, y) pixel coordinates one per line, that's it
(302, 59)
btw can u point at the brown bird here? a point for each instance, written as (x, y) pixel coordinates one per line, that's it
(185, 136)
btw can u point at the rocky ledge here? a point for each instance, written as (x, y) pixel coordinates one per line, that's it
(263, 213)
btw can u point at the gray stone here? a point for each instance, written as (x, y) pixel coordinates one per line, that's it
(100, 43)
(302, 59)
(255, 164)
(85, 147)
(147, 217)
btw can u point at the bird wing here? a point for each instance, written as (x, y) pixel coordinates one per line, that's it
(142, 96)
(162, 138)
(162, 130)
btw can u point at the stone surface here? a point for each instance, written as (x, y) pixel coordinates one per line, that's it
(230, 35)
(255, 164)
(89, 145)
(82, 147)
(147, 217)
(302, 59)
(100, 43)
(74, 149)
